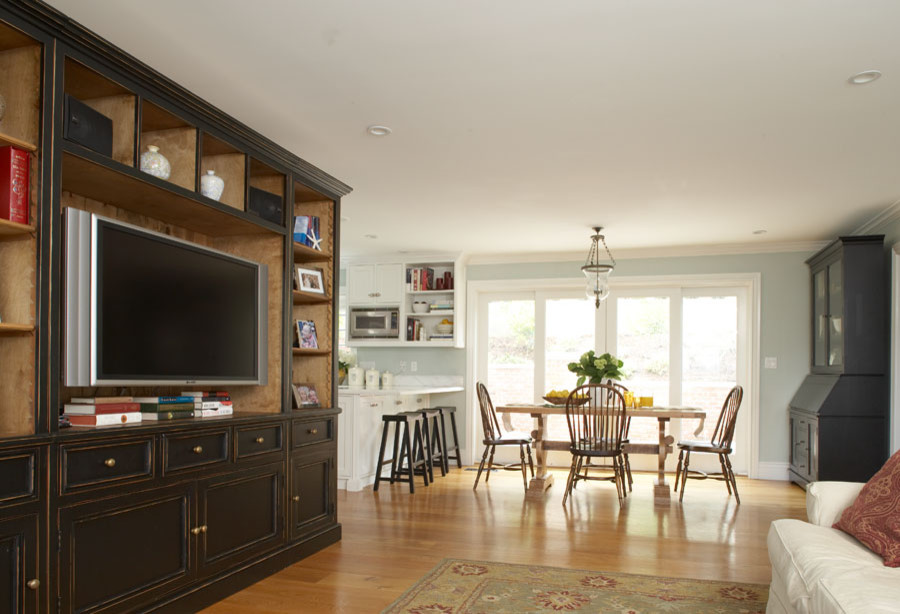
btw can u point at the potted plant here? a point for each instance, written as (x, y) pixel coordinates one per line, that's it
(346, 359)
(596, 369)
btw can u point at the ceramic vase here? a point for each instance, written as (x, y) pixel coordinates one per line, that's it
(2, 106)
(154, 163)
(211, 185)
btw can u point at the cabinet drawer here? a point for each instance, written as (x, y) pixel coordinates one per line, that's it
(17, 476)
(307, 432)
(86, 465)
(257, 440)
(190, 450)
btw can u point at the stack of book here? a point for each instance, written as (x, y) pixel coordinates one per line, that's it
(415, 330)
(306, 231)
(166, 408)
(210, 404)
(102, 411)
(441, 307)
(418, 279)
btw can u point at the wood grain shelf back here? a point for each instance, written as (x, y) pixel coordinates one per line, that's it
(11, 38)
(85, 84)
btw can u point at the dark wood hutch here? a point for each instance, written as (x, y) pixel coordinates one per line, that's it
(167, 516)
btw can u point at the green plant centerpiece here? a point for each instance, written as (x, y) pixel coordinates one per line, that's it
(595, 369)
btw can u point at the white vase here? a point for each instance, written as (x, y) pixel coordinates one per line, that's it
(2, 106)
(211, 185)
(154, 163)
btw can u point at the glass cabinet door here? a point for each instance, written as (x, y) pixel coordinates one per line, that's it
(820, 319)
(835, 315)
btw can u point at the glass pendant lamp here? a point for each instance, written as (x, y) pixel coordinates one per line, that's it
(597, 273)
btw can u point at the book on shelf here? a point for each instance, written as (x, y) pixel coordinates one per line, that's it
(211, 404)
(104, 419)
(205, 394)
(14, 189)
(164, 400)
(301, 227)
(415, 330)
(101, 400)
(306, 231)
(225, 410)
(157, 407)
(440, 336)
(85, 409)
(168, 415)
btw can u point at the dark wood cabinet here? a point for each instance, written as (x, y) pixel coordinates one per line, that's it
(313, 486)
(20, 580)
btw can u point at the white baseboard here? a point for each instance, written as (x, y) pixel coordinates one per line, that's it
(774, 471)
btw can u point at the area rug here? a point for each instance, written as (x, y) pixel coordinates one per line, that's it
(459, 586)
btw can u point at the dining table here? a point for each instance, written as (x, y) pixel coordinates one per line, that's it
(544, 479)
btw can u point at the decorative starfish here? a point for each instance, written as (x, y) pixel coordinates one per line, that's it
(314, 241)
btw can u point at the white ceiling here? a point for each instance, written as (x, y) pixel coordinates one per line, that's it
(520, 123)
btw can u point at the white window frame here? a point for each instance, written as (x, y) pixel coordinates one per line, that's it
(535, 288)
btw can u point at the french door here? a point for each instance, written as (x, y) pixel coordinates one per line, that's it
(681, 345)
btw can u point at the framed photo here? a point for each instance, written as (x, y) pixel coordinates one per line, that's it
(305, 395)
(309, 280)
(306, 335)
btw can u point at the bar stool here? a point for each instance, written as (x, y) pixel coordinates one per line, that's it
(451, 411)
(433, 441)
(408, 446)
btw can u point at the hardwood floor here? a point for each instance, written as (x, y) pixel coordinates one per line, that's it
(392, 538)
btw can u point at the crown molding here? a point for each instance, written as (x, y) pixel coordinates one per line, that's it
(685, 251)
(890, 214)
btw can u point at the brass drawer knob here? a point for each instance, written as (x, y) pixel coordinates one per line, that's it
(110, 462)
(312, 431)
(260, 440)
(295, 498)
(196, 531)
(203, 528)
(33, 584)
(198, 450)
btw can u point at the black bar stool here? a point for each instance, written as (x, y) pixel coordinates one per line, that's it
(449, 410)
(434, 436)
(409, 445)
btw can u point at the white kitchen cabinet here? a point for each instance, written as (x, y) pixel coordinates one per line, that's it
(375, 284)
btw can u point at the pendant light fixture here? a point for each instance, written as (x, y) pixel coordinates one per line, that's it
(596, 272)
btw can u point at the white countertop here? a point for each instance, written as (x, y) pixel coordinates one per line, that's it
(401, 390)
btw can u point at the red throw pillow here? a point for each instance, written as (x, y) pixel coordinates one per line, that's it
(874, 518)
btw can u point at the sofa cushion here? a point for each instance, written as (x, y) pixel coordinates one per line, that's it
(877, 590)
(826, 501)
(874, 518)
(803, 553)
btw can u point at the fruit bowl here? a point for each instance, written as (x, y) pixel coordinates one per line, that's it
(444, 329)
(562, 400)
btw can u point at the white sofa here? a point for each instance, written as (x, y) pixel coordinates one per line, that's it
(818, 570)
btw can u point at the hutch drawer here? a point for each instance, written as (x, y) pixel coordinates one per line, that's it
(190, 450)
(83, 465)
(308, 432)
(253, 441)
(17, 476)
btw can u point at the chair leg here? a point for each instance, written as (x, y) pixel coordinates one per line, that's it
(678, 469)
(622, 466)
(524, 468)
(420, 436)
(410, 457)
(725, 475)
(530, 459)
(579, 465)
(733, 481)
(427, 466)
(444, 453)
(572, 471)
(619, 479)
(398, 431)
(628, 471)
(684, 473)
(455, 440)
(481, 466)
(380, 465)
(490, 466)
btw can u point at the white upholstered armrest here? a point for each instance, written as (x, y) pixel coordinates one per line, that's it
(826, 501)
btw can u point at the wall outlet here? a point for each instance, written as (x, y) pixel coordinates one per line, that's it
(402, 366)
(771, 362)
(413, 366)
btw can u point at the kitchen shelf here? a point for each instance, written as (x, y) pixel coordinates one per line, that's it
(6, 139)
(12, 229)
(445, 291)
(433, 314)
(309, 298)
(304, 253)
(15, 329)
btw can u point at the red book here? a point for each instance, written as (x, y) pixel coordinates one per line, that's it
(14, 184)
(104, 419)
(86, 409)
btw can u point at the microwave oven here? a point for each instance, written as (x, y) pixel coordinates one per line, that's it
(375, 323)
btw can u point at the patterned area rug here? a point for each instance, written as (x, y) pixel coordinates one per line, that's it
(458, 586)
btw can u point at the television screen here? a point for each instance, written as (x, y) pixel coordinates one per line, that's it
(167, 310)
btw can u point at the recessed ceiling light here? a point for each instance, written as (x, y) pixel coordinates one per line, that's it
(376, 130)
(866, 76)
(760, 232)
(371, 236)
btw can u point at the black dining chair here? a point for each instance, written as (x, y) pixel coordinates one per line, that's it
(494, 436)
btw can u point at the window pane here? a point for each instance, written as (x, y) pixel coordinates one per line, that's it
(709, 357)
(570, 333)
(511, 356)
(642, 339)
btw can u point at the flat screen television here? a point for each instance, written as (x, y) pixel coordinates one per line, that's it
(143, 308)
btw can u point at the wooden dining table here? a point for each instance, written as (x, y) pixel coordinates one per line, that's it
(543, 480)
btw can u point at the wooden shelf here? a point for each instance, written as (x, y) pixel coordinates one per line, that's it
(304, 253)
(445, 291)
(309, 298)
(306, 352)
(15, 329)
(100, 178)
(12, 229)
(6, 139)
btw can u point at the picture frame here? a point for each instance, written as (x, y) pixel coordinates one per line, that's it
(306, 335)
(309, 280)
(305, 396)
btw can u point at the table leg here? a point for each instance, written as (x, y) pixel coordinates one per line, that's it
(542, 480)
(699, 430)
(661, 487)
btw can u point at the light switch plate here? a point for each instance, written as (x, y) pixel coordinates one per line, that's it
(771, 362)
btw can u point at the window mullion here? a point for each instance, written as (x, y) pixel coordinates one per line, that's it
(540, 343)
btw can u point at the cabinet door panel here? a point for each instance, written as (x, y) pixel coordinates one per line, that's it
(18, 565)
(240, 515)
(835, 315)
(312, 492)
(125, 550)
(820, 319)
(361, 284)
(389, 283)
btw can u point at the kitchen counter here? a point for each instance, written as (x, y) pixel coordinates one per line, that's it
(400, 390)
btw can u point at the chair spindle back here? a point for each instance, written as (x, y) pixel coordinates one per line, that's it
(489, 421)
(599, 424)
(724, 432)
